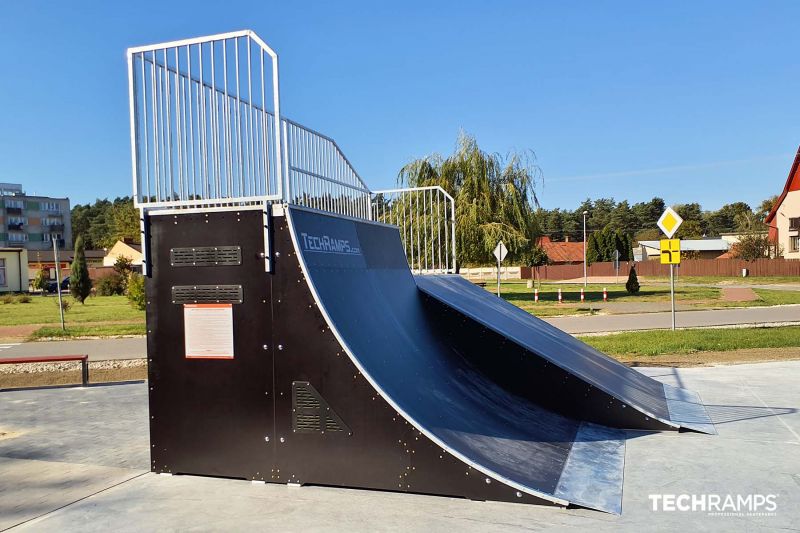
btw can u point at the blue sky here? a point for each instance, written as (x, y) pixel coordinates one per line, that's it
(692, 101)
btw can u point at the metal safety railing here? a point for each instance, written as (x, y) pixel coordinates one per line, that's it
(202, 131)
(426, 219)
(319, 175)
(207, 132)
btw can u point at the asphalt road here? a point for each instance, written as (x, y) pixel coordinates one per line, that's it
(134, 348)
(688, 319)
(96, 349)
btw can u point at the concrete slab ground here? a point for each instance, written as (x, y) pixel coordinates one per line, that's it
(79, 458)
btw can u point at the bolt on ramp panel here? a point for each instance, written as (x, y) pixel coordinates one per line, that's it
(359, 275)
(673, 408)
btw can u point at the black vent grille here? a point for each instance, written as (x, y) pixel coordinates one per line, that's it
(206, 256)
(198, 294)
(312, 414)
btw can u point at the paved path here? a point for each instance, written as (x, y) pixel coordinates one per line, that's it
(96, 349)
(134, 348)
(76, 460)
(785, 314)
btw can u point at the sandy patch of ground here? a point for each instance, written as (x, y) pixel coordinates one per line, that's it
(739, 294)
(64, 373)
(732, 357)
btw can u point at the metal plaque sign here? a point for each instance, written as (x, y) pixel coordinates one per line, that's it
(208, 331)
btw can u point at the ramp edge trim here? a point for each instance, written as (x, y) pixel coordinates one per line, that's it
(595, 469)
(486, 471)
(687, 409)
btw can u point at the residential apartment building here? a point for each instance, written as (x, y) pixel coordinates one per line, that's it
(784, 219)
(31, 222)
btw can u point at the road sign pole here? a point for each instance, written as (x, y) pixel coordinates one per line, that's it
(58, 284)
(498, 277)
(672, 292)
(500, 252)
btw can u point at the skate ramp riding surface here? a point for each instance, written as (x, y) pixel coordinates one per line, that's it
(358, 274)
(672, 406)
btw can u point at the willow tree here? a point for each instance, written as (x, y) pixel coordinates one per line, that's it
(495, 198)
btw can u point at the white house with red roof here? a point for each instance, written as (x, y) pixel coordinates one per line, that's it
(784, 219)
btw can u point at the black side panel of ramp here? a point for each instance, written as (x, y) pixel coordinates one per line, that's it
(209, 416)
(560, 371)
(358, 274)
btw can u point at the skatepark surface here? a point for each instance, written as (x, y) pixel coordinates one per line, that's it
(77, 459)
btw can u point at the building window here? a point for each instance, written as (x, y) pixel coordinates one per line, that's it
(48, 237)
(794, 223)
(17, 237)
(17, 204)
(50, 206)
(794, 243)
(2, 272)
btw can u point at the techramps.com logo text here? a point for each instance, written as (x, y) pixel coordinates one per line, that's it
(326, 244)
(717, 504)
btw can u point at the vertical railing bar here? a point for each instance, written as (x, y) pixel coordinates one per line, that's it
(162, 147)
(226, 121)
(239, 138)
(265, 121)
(214, 140)
(178, 125)
(191, 119)
(146, 132)
(168, 124)
(252, 179)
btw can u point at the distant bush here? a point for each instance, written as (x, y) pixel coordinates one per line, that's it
(66, 304)
(632, 285)
(41, 280)
(24, 299)
(8, 299)
(110, 285)
(136, 295)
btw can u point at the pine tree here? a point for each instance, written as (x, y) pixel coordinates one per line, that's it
(592, 252)
(80, 285)
(632, 285)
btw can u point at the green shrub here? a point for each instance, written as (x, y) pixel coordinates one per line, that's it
(66, 304)
(80, 285)
(24, 299)
(8, 299)
(632, 285)
(110, 285)
(41, 280)
(136, 294)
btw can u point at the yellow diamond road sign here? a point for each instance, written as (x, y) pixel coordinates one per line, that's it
(669, 222)
(670, 251)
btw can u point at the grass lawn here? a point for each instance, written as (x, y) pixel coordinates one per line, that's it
(44, 310)
(519, 294)
(103, 316)
(651, 343)
(103, 330)
(724, 280)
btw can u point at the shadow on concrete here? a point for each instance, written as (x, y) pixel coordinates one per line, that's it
(724, 414)
(74, 385)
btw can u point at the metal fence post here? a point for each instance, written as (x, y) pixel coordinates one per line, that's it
(85, 371)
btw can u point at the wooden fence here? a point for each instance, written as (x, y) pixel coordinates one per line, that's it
(688, 267)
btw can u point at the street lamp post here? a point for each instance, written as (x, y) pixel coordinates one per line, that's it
(585, 275)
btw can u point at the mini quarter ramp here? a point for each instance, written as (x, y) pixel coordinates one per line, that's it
(576, 377)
